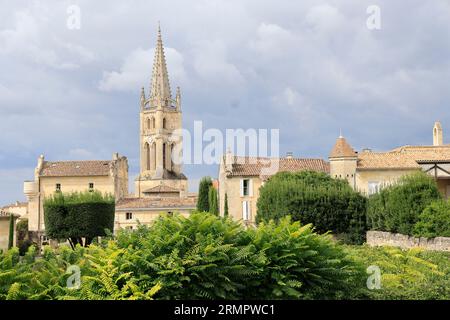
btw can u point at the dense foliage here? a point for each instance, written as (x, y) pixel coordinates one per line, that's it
(396, 208)
(203, 194)
(407, 274)
(199, 257)
(434, 221)
(76, 216)
(313, 197)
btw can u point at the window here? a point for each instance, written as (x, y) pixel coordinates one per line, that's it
(91, 186)
(245, 210)
(164, 155)
(373, 187)
(164, 123)
(58, 187)
(149, 125)
(129, 227)
(246, 187)
(170, 213)
(129, 216)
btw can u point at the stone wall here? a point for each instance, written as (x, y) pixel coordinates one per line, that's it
(379, 238)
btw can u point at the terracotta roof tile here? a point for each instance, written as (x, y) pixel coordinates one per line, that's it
(405, 157)
(253, 166)
(189, 202)
(75, 168)
(342, 149)
(160, 189)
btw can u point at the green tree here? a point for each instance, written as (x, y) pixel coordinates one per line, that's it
(212, 201)
(396, 208)
(12, 223)
(434, 221)
(225, 206)
(313, 197)
(203, 194)
(78, 216)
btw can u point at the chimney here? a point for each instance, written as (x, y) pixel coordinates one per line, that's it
(437, 134)
(229, 159)
(289, 155)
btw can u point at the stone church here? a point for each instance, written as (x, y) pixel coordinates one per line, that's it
(160, 187)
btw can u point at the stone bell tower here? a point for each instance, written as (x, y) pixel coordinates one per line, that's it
(160, 142)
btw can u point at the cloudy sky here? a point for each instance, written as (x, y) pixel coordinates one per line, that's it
(309, 68)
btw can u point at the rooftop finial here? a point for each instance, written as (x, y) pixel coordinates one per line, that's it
(340, 133)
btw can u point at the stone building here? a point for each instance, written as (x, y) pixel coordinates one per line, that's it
(241, 177)
(106, 176)
(160, 187)
(18, 208)
(368, 171)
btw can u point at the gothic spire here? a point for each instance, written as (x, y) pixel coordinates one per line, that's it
(160, 88)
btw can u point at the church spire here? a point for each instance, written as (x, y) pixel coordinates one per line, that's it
(160, 88)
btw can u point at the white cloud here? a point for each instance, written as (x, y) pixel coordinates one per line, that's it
(273, 40)
(136, 70)
(211, 64)
(324, 19)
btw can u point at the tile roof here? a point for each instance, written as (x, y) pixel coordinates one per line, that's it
(405, 157)
(189, 202)
(160, 189)
(342, 149)
(16, 204)
(75, 168)
(254, 166)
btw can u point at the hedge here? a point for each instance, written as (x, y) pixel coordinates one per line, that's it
(396, 208)
(78, 215)
(313, 197)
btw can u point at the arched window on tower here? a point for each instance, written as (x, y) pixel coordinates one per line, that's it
(164, 155)
(149, 124)
(164, 123)
(147, 155)
(153, 123)
(171, 157)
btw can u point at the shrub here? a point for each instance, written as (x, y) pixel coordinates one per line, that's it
(203, 192)
(396, 208)
(312, 197)
(434, 221)
(204, 256)
(78, 215)
(412, 274)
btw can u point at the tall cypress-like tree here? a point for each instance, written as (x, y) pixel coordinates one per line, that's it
(213, 205)
(11, 231)
(225, 207)
(203, 194)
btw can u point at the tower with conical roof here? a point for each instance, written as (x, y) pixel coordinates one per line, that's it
(343, 161)
(160, 142)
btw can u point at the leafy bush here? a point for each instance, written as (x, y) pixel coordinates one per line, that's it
(207, 257)
(204, 256)
(407, 274)
(78, 215)
(396, 208)
(434, 221)
(312, 197)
